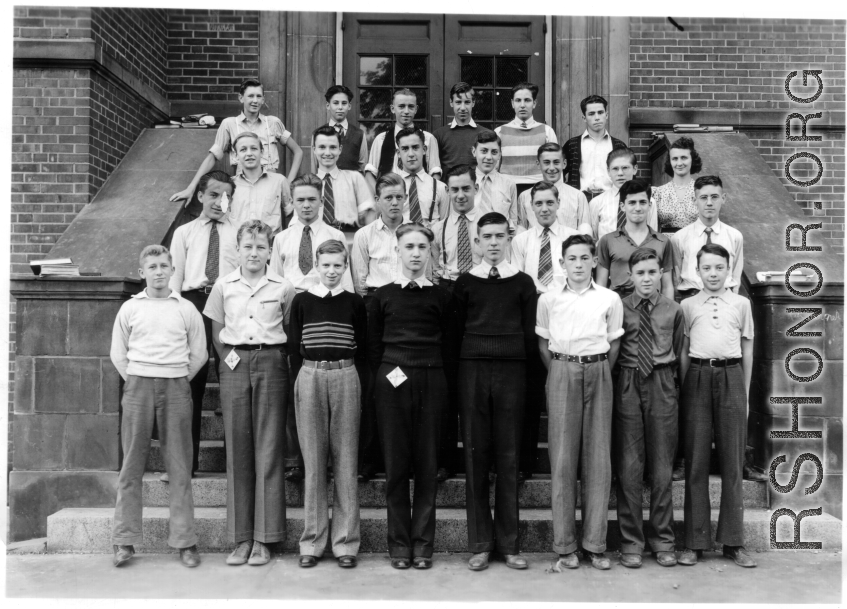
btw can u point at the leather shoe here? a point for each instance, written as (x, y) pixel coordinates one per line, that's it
(599, 560)
(219, 412)
(295, 473)
(478, 562)
(122, 554)
(739, 555)
(665, 559)
(400, 563)
(240, 554)
(443, 474)
(678, 471)
(689, 557)
(515, 561)
(751, 473)
(568, 561)
(307, 561)
(630, 560)
(260, 555)
(347, 562)
(421, 562)
(190, 557)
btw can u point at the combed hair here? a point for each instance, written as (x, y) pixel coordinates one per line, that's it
(487, 136)
(250, 82)
(404, 91)
(327, 131)
(335, 90)
(715, 249)
(460, 170)
(642, 254)
(461, 88)
(331, 246)
(414, 227)
(154, 250)
(255, 228)
(621, 152)
(579, 239)
(218, 176)
(389, 179)
(407, 131)
(593, 99)
(633, 187)
(492, 217)
(531, 87)
(548, 147)
(707, 181)
(307, 179)
(685, 143)
(247, 134)
(541, 187)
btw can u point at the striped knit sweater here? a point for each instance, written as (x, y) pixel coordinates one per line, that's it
(520, 150)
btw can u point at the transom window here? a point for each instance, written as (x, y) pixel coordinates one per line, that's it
(492, 78)
(379, 77)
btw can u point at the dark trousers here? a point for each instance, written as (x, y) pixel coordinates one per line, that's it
(680, 445)
(491, 398)
(408, 417)
(370, 450)
(534, 405)
(714, 399)
(644, 425)
(449, 456)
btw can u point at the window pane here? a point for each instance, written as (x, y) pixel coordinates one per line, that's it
(374, 129)
(422, 116)
(512, 70)
(478, 71)
(409, 70)
(374, 71)
(483, 109)
(374, 104)
(503, 100)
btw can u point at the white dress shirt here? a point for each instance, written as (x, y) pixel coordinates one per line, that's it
(374, 259)
(320, 290)
(593, 172)
(526, 254)
(266, 199)
(503, 267)
(497, 192)
(433, 163)
(573, 207)
(190, 248)
(285, 256)
(688, 241)
(403, 281)
(425, 185)
(350, 194)
(603, 213)
(445, 259)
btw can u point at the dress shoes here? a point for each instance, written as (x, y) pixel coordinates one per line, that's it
(739, 555)
(630, 560)
(400, 563)
(365, 476)
(751, 473)
(678, 471)
(568, 561)
(122, 554)
(443, 474)
(665, 559)
(689, 557)
(190, 557)
(241, 554)
(347, 562)
(479, 562)
(260, 555)
(294, 474)
(515, 561)
(307, 561)
(421, 562)
(599, 560)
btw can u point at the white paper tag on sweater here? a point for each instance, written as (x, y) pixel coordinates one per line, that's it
(396, 376)
(232, 359)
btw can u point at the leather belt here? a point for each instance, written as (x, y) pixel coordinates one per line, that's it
(326, 365)
(716, 363)
(204, 290)
(581, 359)
(257, 347)
(655, 366)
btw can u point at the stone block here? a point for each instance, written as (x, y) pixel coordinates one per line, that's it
(766, 449)
(212, 457)
(33, 496)
(772, 321)
(24, 368)
(833, 331)
(67, 384)
(771, 380)
(90, 326)
(828, 496)
(833, 449)
(42, 327)
(38, 441)
(92, 442)
(110, 388)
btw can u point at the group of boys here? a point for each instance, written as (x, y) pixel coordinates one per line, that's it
(469, 297)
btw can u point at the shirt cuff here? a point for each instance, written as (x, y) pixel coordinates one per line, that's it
(217, 151)
(615, 335)
(434, 170)
(283, 139)
(371, 169)
(542, 332)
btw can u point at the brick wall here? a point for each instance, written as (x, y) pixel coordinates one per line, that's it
(210, 53)
(51, 22)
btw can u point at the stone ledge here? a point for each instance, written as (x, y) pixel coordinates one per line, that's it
(743, 119)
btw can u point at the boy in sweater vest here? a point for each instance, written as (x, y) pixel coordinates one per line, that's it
(496, 320)
(354, 144)
(409, 326)
(456, 140)
(327, 348)
(522, 137)
(158, 345)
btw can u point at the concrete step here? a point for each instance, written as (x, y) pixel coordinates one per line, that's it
(212, 396)
(88, 530)
(212, 456)
(211, 426)
(210, 491)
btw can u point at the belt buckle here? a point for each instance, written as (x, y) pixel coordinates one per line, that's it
(207, 289)
(323, 364)
(712, 363)
(259, 347)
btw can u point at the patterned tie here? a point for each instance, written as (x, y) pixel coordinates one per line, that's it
(414, 204)
(621, 218)
(545, 259)
(645, 340)
(523, 125)
(305, 256)
(464, 255)
(708, 232)
(485, 195)
(213, 255)
(328, 201)
(340, 131)
(413, 285)
(494, 273)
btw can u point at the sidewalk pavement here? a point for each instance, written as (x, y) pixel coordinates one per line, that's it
(781, 577)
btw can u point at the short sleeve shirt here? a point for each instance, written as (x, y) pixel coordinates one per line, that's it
(614, 250)
(715, 325)
(269, 129)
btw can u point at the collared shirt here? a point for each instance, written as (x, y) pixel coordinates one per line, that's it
(190, 248)
(593, 172)
(251, 315)
(425, 184)
(374, 259)
(285, 256)
(432, 161)
(269, 129)
(573, 207)
(266, 199)
(667, 323)
(614, 250)
(603, 213)
(500, 195)
(715, 325)
(445, 259)
(504, 268)
(350, 193)
(688, 241)
(363, 148)
(320, 290)
(580, 323)
(403, 281)
(454, 124)
(526, 252)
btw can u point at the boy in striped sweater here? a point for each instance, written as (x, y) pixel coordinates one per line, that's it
(328, 358)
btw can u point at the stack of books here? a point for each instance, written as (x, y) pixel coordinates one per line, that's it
(192, 121)
(62, 267)
(702, 129)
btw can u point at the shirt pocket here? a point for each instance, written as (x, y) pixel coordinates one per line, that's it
(664, 340)
(270, 312)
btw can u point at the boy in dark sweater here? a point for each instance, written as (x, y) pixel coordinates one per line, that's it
(328, 358)
(456, 140)
(408, 324)
(496, 325)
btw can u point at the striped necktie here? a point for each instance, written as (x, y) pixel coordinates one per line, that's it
(485, 195)
(340, 131)
(645, 339)
(494, 273)
(414, 204)
(464, 255)
(305, 255)
(213, 255)
(545, 259)
(621, 218)
(328, 201)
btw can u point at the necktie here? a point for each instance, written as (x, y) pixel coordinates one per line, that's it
(621, 218)
(414, 204)
(305, 256)
(485, 195)
(213, 255)
(494, 273)
(328, 201)
(464, 255)
(413, 285)
(340, 130)
(328, 295)
(645, 340)
(523, 125)
(708, 232)
(545, 259)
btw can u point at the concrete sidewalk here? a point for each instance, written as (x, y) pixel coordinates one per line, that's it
(781, 577)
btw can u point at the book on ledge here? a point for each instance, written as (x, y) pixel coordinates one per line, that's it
(55, 267)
